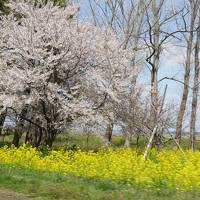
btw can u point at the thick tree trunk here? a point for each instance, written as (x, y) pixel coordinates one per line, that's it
(157, 140)
(50, 132)
(195, 92)
(109, 131)
(37, 137)
(2, 120)
(50, 137)
(16, 138)
(19, 127)
(181, 112)
(34, 137)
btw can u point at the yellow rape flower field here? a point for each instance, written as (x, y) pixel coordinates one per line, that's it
(171, 168)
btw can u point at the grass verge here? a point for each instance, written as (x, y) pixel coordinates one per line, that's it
(47, 185)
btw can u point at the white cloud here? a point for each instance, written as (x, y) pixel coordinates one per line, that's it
(173, 55)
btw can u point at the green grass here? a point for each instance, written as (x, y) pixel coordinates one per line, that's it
(47, 185)
(93, 142)
(75, 139)
(71, 139)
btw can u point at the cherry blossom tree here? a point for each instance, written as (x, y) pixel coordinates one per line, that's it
(55, 68)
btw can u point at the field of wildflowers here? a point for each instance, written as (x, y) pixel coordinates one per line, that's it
(168, 168)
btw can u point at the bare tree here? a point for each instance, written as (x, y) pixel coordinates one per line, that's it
(154, 58)
(133, 115)
(155, 38)
(141, 25)
(187, 68)
(195, 88)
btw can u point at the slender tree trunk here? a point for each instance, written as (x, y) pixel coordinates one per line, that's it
(148, 148)
(137, 141)
(154, 98)
(195, 92)
(181, 112)
(156, 8)
(127, 142)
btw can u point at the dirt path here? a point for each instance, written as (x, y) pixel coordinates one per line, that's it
(9, 195)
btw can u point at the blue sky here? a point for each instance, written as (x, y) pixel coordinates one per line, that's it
(171, 63)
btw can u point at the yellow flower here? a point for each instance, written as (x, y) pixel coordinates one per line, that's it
(167, 167)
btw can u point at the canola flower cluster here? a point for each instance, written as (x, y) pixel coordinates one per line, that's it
(168, 168)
